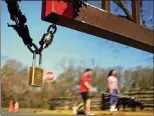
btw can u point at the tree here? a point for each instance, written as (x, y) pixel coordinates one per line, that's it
(146, 22)
(15, 84)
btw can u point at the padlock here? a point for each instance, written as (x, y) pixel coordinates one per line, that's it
(36, 73)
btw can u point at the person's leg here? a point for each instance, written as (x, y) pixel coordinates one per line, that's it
(88, 105)
(111, 102)
(87, 110)
(115, 92)
(116, 102)
(84, 100)
(84, 106)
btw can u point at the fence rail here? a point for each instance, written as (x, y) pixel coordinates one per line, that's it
(102, 101)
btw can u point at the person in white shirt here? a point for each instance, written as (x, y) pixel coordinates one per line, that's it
(113, 89)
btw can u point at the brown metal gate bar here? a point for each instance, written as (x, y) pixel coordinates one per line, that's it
(103, 24)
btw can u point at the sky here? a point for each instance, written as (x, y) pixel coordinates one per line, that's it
(67, 44)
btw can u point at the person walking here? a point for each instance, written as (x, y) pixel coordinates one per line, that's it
(85, 88)
(113, 89)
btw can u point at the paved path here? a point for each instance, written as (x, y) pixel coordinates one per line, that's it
(32, 112)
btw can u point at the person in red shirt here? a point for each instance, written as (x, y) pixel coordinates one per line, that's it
(85, 88)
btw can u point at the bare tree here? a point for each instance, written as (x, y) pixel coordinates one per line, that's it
(148, 23)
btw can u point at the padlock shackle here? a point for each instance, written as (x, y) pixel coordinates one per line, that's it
(34, 59)
(40, 59)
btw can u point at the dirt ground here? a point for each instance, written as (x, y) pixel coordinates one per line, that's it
(69, 112)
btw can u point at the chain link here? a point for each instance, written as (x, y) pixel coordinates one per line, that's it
(30, 48)
(20, 20)
(53, 26)
(47, 38)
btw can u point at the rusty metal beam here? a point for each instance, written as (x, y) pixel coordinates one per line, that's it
(106, 5)
(103, 24)
(136, 11)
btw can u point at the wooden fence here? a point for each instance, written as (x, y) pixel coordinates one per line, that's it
(100, 101)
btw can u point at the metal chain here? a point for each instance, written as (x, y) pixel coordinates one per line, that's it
(30, 48)
(47, 38)
(20, 27)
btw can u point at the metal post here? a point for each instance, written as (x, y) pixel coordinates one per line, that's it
(106, 5)
(136, 11)
(49, 92)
